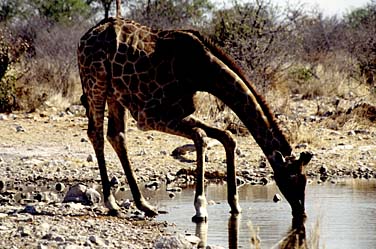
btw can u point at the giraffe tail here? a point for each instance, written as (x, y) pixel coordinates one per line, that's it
(84, 102)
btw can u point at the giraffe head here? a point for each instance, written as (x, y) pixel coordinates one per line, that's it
(291, 179)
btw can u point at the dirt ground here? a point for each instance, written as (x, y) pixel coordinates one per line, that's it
(50, 146)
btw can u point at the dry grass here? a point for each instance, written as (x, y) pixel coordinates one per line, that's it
(294, 239)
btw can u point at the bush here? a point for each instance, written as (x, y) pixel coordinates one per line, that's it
(361, 42)
(254, 35)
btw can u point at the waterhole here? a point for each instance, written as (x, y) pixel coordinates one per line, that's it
(341, 215)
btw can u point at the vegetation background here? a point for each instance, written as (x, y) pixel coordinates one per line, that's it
(287, 51)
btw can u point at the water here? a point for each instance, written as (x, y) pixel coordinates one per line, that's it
(345, 214)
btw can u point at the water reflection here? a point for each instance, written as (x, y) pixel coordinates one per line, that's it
(345, 212)
(295, 238)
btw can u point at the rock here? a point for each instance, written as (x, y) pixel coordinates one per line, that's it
(262, 165)
(3, 215)
(239, 181)
(19, 128)
(214, 247)
(171, 195)
(172, 242)
(114, 181)
(277, 198)
(53, 237)
(126, 204)
(24, 231)
(76, 193)
(3, 116)
(59, 187)
(2, 186)
(194, 240)
(44, 228)
(174, 189)
(79, 193)
(93, 196)
(38, 196)
(169, 178)
(84, 140)
(264, 181)
(152, 185)
(97, 241)
(301, 146)
(323, 170)
(29, 209)
(90, 158)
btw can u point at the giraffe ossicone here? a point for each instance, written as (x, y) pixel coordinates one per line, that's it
(155, 75)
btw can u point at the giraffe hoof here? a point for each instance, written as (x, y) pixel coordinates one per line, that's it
(236, 210)
(199, 219)
(151, 213)
(149, 210)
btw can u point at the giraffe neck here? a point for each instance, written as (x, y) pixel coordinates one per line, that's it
(236, 91)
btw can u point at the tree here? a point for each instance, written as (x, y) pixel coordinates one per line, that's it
(64, 11)
(361, 40)
(169, 13)
(253, 34)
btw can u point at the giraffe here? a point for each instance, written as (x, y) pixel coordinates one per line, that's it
(155, 74)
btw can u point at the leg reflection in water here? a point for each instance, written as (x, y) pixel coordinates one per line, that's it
(233, 230)
(296, 237)
(202, 233)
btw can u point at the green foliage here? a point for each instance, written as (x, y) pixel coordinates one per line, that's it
(361, 41)
(9, 9)
(170, 13)
(61, 10)
(7, 79)
(300, 75)
(364, 16)
(7, 92)
(253, 34)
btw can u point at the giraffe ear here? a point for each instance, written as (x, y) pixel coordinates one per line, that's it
(305, 157)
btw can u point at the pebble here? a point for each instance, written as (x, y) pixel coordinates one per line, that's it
(174, 189)
(277, 198)
(30, 210)
(97, 241)
(59, 187)
(114, 181)
(93, 196)
(264, 181)
(19, 128)
(3, 116)
(153, 185)
(172, 242)
(2, 186)
(84, 140)
(90, 158)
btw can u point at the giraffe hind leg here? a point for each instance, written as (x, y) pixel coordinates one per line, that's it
(95, 134)
(116, 137)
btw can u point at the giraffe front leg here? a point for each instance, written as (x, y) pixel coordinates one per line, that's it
(200, 201)
(232, 191)
(229, 144)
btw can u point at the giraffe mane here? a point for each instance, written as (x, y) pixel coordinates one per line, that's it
(230, 62)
